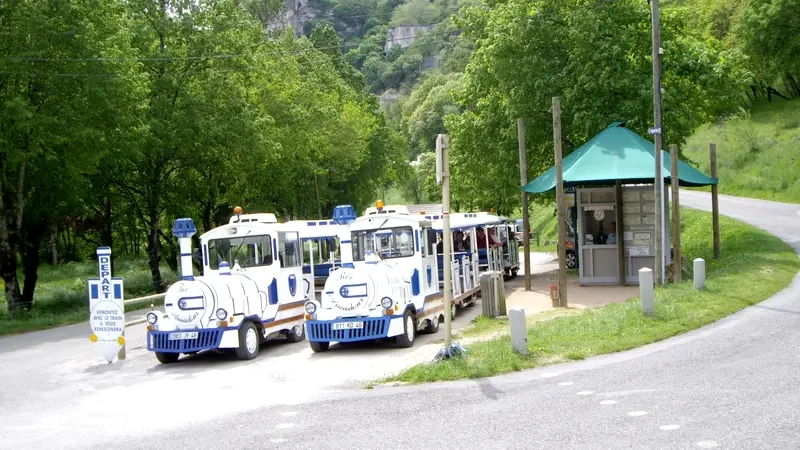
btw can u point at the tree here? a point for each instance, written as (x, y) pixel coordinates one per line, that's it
(770, 35)
(58, 118)
(596, 57)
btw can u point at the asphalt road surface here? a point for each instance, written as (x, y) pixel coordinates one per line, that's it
(58, 392)
(733, 384)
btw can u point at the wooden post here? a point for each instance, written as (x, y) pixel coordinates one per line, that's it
(714, 200)
(562, 232)
(676, 215)
(620, 233)
(443, 146)
(526, 226)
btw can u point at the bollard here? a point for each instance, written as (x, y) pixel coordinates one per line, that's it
(646, 293)
(699, 273)
(519, 332)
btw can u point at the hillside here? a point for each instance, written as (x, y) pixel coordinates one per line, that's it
(758, 151)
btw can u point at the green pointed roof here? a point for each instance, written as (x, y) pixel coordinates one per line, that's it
(616, 153)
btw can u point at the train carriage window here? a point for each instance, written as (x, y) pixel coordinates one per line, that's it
(387, 243)
(248, 251)
(289, 249)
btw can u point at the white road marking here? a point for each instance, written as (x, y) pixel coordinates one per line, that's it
(707, 444)
(549, 375)
(585, 392)
(637, 413)
(277, 440)
(669, 427)
(622, 393)
(284, 425)
(608, 402)
(566, 383)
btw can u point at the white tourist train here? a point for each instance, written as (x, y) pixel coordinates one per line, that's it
(393, 287)
(253, 288)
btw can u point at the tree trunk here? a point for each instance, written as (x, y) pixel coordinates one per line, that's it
(9, 244)
(107, 234)
(33, 236)
(54, 246)
(154, 251)
(171, 254)
(11, 214)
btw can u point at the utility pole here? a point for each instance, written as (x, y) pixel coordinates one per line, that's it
(523, 179)
(443, 148)
(562, 232)
(657, 139)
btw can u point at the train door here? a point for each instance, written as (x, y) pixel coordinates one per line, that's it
(290, 280)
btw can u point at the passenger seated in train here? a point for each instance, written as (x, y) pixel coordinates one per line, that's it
(481, 236)
(459, 244)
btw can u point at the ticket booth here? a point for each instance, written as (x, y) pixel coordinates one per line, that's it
(599, 214)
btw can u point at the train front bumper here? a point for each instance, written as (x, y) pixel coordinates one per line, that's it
(191, 341)
(354, 329)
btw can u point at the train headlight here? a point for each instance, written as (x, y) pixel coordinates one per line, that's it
(311, 307)
(152, 318)
(386, 302)
(222, 314)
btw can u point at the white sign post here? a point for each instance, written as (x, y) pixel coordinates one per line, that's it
(106, 308)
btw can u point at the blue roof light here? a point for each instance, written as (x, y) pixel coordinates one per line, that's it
(183, 228)
(344, 214)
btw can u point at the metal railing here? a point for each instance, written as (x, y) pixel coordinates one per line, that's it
(141, 300)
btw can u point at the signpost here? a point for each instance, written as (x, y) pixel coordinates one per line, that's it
(106, 309)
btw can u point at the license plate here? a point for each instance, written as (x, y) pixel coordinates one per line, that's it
(185, 335)
(348, 325)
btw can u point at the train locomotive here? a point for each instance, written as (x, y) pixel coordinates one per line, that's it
(252, 289)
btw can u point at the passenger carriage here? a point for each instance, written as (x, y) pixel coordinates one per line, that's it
(320, 240)
(393, 287)
(252, 289)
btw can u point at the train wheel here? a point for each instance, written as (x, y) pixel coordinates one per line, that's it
(166, 358)
(248, 341)
(433, 325)
(319, 346)
(406, 339)
(296, 334)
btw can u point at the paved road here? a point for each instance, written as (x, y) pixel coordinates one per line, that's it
(733, 384)
(58, 392)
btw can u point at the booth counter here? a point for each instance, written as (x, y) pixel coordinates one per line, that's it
(600, 216)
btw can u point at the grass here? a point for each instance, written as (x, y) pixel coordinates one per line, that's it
(61, 296)
(757, 151)
(753, 266)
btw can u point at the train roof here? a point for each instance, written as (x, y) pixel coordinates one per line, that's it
(388, 220)
(316, 229)
(465, 220)
(256, 217)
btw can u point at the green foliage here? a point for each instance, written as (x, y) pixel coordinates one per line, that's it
(754, 265)
(61, 294)
(151, 110)
(770, 34)
(415, 12)
(756, 152)
(596, 57)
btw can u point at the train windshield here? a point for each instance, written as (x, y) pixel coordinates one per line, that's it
(386, 243)
(249, 251)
